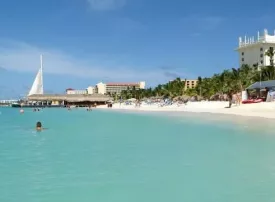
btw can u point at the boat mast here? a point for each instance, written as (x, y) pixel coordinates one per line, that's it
(41, 69)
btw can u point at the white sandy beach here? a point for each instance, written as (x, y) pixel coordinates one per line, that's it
(264, 110)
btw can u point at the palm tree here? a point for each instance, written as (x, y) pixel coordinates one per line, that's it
(236, 79)
(268, 73)
(270, 53)
(115, 96)
(236, 76)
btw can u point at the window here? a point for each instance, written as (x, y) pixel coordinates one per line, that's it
(242, 53)
(261, 49)
(262, 55)
(262, 62)
(242, 59)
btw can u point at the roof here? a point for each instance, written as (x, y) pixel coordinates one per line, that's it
(70, 98)
(261, 85)
(122, 84)
(69, 89)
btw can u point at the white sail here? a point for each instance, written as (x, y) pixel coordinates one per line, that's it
(37, 86)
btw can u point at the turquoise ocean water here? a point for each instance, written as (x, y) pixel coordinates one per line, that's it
(108, 156)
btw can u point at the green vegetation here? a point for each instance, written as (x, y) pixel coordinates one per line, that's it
(171, 89)
(270, 53)
(219, 84)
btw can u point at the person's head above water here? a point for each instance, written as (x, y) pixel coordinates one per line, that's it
(38, 125)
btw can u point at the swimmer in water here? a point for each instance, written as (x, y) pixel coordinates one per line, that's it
(39, 126)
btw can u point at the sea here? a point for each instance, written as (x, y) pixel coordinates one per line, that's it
(118, 156)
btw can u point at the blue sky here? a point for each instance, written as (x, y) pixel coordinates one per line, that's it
(88, 41)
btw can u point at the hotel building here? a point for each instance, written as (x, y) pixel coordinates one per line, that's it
(252, 50)
(91, 90)
(71, 91)
(190, 83)
(117, 88)
(107, 88)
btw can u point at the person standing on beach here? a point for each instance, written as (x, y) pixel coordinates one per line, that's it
(230, 98)
(238, 97)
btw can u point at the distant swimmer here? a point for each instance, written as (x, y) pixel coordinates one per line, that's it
(39, 126)
(21, 111)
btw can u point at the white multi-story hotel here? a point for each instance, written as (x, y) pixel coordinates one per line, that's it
(107, 88)
(116, 88)
(252, 50)
(71, 91)
(90, 90)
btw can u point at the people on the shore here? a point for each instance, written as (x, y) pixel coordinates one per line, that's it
(267, 96)
(230, 98)
(238, 98)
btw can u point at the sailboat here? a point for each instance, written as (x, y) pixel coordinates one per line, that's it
(37, 86)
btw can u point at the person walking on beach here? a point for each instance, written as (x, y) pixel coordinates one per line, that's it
(238, 98)
(230, 98)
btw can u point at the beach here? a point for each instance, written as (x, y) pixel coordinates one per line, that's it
(262, 110)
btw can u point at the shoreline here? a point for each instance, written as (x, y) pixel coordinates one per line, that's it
(257, 110)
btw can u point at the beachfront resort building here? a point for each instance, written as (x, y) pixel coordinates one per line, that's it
(100, 88)
(190, 83)
(107, 88)
(252, 49)
(117, 88)
(71, 91)
(91, 90)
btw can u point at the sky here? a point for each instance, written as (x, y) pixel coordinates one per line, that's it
(84, 42)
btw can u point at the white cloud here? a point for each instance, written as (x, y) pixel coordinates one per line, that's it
(22, 57)
(106, 4)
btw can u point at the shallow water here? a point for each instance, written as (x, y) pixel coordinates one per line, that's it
(111, 156)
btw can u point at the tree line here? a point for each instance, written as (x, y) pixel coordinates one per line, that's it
(235, 79)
